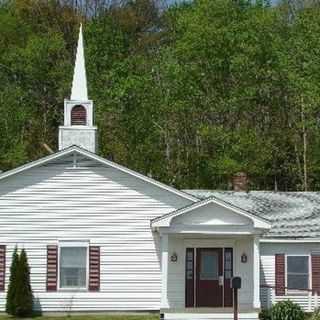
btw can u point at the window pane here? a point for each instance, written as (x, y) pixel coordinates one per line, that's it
(73, 278)
(189, 255)
(298, 272)
(298, 264)
(73, 265)
(73, 257)
(189, 265)
(227, 260)
(296, 281)
(209, 265)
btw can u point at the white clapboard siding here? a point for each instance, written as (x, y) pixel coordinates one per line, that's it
(267, 273)
(91, 202)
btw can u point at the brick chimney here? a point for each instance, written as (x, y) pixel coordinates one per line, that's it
(240, 181)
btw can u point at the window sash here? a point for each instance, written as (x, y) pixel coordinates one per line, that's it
(72, 277)
(296, 280)
(298, 264)
(73, 273)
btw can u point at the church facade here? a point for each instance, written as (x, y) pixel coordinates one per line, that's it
(103, 238)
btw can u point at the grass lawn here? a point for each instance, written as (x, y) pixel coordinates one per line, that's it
(93, 317)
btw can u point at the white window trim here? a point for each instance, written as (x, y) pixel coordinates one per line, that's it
(73, 244)
(293, 291)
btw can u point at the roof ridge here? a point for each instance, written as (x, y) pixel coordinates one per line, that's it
(248, 192)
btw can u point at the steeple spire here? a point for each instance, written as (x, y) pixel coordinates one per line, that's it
(78, 128)
(79, 84)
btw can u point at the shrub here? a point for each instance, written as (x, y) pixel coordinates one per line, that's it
(265, 314)
(286, 310)
(10, 303)
(23, 297)
(315, 315)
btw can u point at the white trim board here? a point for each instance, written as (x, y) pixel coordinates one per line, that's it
(209, 243)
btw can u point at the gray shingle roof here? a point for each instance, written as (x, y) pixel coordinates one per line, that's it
(292, 214)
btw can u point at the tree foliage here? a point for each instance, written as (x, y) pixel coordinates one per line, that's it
(12, 288)
(189, 94)
(19, 296)
(24, 296)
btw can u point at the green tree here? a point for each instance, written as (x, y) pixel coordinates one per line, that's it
(12, 288)
(23, 297)
(189, 94)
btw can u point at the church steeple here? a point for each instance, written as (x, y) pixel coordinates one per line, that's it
(78, 128)
(79, 89)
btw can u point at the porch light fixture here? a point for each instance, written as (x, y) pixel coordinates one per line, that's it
(244, 258)
(174, 257)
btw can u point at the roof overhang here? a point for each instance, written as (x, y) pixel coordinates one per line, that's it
(290, 240)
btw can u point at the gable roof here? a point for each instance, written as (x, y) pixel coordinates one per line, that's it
(165, 220)
(293, 215)
(93, 156)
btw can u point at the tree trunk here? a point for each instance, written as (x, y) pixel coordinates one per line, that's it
(305, 147)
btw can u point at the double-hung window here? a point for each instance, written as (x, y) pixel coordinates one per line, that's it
(73, 266)
(298, 272)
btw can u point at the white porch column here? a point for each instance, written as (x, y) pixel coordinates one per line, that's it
(256, 272)
(164, 271)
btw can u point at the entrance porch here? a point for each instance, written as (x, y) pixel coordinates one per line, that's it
(202, 248)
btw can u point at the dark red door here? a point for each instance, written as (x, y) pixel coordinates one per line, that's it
(209, 291)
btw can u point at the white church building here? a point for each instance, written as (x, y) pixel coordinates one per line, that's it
(103, 238)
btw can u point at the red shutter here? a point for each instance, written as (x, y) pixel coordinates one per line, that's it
(52, 267)
(2, 267)
(280, 274)
(94, 268)
(315, 264)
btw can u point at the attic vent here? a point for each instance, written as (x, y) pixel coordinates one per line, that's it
(78, 116)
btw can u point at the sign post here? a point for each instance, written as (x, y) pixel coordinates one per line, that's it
(235, 285)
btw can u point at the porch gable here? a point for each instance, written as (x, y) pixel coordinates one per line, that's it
(211, 213)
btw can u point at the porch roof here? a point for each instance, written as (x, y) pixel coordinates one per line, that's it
(293, 215)
(165, 220)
